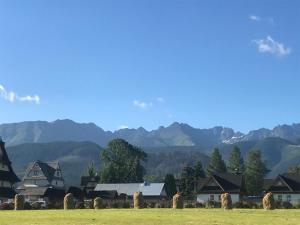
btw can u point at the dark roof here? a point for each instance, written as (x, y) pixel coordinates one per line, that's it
(102, 194)
(43, 191)
(226, 182)
(48, 169)
(5, 160)
(86, 179)
(7, 192)
(290, 183)
(77, 192)
(267, 183)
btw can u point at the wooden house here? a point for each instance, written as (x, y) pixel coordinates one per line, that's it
(7, 176)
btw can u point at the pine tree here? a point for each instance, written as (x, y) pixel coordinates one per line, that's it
(170, 185)
(187, 181)
(199, 172)
(236, 162)
(255, 172)
(216, 163)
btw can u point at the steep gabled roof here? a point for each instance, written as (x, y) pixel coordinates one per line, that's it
(86, 179)
(290, 183)
(223, 182)
(10, 174)
(48, 170)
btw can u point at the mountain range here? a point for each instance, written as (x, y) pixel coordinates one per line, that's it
(177, 134)
(169, 149)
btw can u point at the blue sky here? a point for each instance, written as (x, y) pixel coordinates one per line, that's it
(150, 63)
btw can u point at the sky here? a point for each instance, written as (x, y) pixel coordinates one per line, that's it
(150, 63)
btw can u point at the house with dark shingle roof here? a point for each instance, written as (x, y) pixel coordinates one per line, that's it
(7, 176)
(211, 188)
(285, 187)
(42, 181)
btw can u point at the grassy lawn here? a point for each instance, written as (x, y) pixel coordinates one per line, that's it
(152, 216)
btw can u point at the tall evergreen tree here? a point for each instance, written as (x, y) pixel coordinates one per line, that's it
(255, 172)
(198, 170)
(122, 163)
(187, 181)
(216, 163)
(170, 185)
(236, 162)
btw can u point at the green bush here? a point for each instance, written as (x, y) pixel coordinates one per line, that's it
(6, 206)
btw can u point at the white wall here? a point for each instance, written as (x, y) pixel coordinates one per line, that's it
(295, 198)
(202, 198)
(58, 183)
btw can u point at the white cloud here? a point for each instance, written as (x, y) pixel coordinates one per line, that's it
(142, 105)
(269, 45)
(160, 99)
(123, 127)
(254, 18)
(12, 96)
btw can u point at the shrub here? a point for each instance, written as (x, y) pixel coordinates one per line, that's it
(27, 206)
(56, 205)
(6, 206)
(188, 205)
(36, 206)
(287, 205)
(125, 205)
(79, 205)
(212, 204)
(151, 205)
(199, 205)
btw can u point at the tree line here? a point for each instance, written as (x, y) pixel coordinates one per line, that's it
(124, 163)
(253, 170)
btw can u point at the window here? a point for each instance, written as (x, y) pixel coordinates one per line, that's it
(35, 173)
(288, 198)
(211, 197)
(58, 173)
(280, 198)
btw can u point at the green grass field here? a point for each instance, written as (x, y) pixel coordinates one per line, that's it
(152, 216)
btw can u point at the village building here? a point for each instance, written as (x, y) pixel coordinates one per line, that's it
(150, 191)
(285, 188)
(210, 189)
(43, 182)
(88, 183)
(7, 176)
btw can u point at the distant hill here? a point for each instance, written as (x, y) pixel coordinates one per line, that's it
(74, 158)
(177, 134)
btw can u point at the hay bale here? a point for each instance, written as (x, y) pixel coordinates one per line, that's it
(19, 202)
(69, 201)
(98, 203)
(138, 201)
(268, 201)
(177, 201)
(226, 202)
